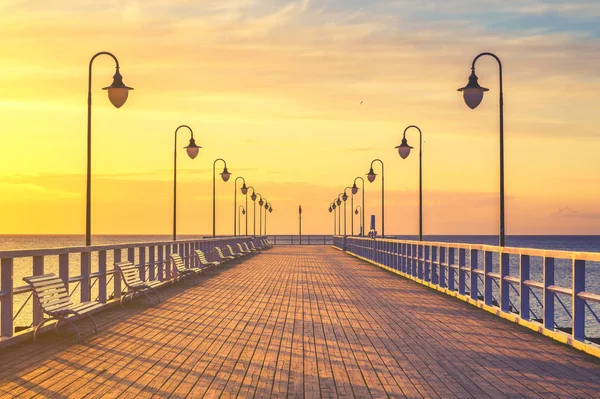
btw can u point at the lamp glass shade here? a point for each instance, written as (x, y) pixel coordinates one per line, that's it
(261, 202)
(356, 211)
(225, 175)
(253, 197)
(244, 189)
(334, 206)
(339, 201)
(243, 211)
(270, 210)
(330, 209)
(473, 97)
(266, 206)
(192, 149)
(404, 149)
(371, 176)
(354, 188)
(345, 197)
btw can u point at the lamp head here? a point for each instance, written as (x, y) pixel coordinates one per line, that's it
(244, 189)
(339, 201)
(354, 188)
(266, 206)
(192, 149)
(117, 91)
(225, 175)
(404, 148)
(344, 197)
(371, 176)
(333, 205)
(473, 92)
(330, 209)
(253, 196)
(261, 202)
(243, 211)
(270, 209)
(356, 211)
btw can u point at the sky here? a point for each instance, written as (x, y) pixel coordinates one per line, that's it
(275, 88)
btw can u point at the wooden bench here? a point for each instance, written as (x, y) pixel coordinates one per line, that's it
(245, 251)
(183, 271)
(131, 277)
(234, 254)
(203, 261)
(224, 258)
(52, 295)
(252, 246)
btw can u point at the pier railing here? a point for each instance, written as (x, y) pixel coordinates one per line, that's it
(291, 239)
(553, 292)
(89, 274)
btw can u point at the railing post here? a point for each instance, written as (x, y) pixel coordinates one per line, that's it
(462, 262)
(142, 256)
(38, 270)
(451, 262)
(443, 265)
(167, 263)
(504, 285)
(85, 286)
(548, 295)
(117, 275)
(6, 301)
(420, 257)
(473, 276)
(102, 276)
(435, 265)
(578, 304)
(427, 271)
(151, 262)
(161, 259)
(524, 291)
(487, 280)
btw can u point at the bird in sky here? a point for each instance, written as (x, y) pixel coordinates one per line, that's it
(361, 102)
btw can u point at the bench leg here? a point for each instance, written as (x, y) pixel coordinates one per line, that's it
(74, 328)
(147, 297)
(155, 293)
(94, 322)
(35, 330)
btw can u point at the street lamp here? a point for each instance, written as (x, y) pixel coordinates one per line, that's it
(192, 151)
(225, 175)
(339, 202)
(371, 177)
(345, 198)
(267, 208)
(244, 191)
(117, 94)
(243, 211)
(261, 202)
(361, 215)
(354, 191)
(332, 209)
(473, 94)
(253, 198)
(404, 151)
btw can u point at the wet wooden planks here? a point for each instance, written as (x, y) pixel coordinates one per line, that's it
(302, 322)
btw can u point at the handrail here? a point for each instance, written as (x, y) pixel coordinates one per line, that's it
(461, 269)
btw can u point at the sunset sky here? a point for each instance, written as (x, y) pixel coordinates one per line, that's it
(274, 87)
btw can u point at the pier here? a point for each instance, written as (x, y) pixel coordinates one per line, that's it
(302, 321)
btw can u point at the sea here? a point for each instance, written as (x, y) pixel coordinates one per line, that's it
(579, 243)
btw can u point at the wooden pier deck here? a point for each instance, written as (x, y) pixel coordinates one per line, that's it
(299, 321)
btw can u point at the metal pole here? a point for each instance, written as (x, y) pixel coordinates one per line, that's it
(502, 224)
(352, 217)
(214, 195)
(235, 210)
(247, 213)
(88, 191)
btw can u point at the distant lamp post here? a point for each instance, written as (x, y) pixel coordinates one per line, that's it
(345, 198)
(332, 209)
(473, 94)
(404, 151)
(354, 191)
(371, 177)
(261, 202)
(241, 210)
(361, 215)
(117, 94)
(339, 202)
(253, 198)
(267, 208)
(334, 205)
(192, 151)
(244, 191)
(225, 175)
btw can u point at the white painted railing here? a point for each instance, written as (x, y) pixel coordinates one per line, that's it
(89, 274)
(544, 290)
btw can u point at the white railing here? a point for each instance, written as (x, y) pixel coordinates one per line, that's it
(89, 274)
(544, 290)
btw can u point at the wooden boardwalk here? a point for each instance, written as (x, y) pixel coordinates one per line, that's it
(302, 322)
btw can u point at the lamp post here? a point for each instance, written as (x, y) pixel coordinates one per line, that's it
(117, 94)
(404, 151)
(339, 205)
(332, 209)
(261, 202)
(267, 208)
(473, 94)
(244, 191)
(192, 151)
(371, 177)
(243, 211)
(225, 175)
(253, 198)
(345, 198)
(354, 191)
(361, 215)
